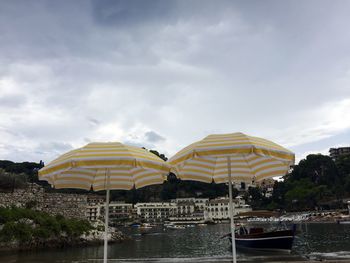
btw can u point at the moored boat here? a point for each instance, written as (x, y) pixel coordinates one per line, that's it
(258, 239)
(343, 221)
(175, 227)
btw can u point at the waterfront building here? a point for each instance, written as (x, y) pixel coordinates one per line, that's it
(201, 203)
(336, 152)
(189, 210)
(218, 208)
(93, 199)
(184, 208)
(93, 212)
(155, 211)
(190, 206)
(93, 209)
(118, 211)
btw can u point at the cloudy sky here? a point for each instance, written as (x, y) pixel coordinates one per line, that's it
(162, 74)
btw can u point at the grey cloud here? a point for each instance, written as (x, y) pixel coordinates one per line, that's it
(138, 144)
(12, 101)
(93, 122)
(50, 31)
(87, 140)
(56, 147)
(10, 131)
(153, 137)
(181, 68)
(123, 13)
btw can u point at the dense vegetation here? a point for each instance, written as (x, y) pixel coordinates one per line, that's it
(26, 225)
(17, 175)
(172, 188)
(316, 181)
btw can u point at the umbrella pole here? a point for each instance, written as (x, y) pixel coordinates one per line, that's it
(105, 246)
(233, 241)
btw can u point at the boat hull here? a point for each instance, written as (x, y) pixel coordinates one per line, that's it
(278, 241)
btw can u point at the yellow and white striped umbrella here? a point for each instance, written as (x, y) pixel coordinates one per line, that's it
(105, 166)
(231, 157)
(87, 167)
(251, 158)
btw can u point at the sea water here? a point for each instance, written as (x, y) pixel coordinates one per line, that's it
(197, 244)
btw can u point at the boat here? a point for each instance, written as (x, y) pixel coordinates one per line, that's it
(257, 239)
(175, 227)
(343, 221)
(146, 229)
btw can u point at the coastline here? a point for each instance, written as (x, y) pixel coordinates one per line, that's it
(94, 238)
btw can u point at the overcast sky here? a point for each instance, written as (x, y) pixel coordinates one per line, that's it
(163, 74)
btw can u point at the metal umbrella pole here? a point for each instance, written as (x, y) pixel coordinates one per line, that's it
(105, 246)
(233, 241)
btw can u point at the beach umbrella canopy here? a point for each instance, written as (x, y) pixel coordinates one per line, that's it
(105, 166)
(231, 157)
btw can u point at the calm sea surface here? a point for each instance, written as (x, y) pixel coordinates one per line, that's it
(199, 244)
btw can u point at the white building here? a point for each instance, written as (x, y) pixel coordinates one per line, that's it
(96, 199)
(190, 208)
(93, 209)
(156, 211)
(93, 212)
(218, 209)
(201, 203)
(118, 211)
(185, 208)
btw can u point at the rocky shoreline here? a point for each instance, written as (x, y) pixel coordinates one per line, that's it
(93, 238)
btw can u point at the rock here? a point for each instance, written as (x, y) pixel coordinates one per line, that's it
(94, 237)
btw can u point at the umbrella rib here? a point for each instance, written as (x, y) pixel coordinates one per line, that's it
(215, 167)
(249, 166)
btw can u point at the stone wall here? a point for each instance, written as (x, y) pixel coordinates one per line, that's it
(21, 197)
(68, 205)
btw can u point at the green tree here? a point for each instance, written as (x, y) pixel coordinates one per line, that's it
(343, 166)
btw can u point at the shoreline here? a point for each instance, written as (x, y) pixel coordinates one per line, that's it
(61, 242)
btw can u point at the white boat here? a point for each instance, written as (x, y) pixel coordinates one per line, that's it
(146, 226)
(175, 227)
(343, 222)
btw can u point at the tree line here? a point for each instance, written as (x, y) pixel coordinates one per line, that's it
(316, 182)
